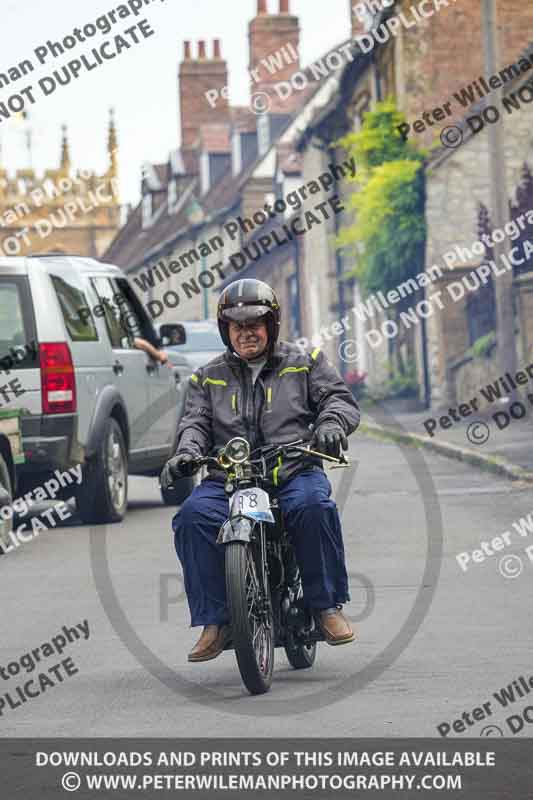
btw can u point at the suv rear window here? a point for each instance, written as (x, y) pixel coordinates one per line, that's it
(17, 327)
(75, 309)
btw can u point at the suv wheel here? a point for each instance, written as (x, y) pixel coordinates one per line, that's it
(5, 484)
(103, 493)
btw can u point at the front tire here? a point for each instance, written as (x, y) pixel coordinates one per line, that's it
(103, 493)
(5, 525)
(251, 617)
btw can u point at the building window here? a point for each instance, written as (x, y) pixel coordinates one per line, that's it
(172, 195)
(147, 210)
(369, 18)
(481, 312)
(205, 172)
(361, 106)
(270, 199)
(294, 306)
(236, 154)
(263, 133)
(387, 71)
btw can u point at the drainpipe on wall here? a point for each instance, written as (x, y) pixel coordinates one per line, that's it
(377, 77)
(204, 290)
(425, 365)
(339, 272)
(297, 270)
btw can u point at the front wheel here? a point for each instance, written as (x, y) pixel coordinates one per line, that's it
(251, 616)
(103, 493)
(7, 498)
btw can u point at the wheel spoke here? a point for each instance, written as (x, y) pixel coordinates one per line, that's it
(255, 598)
(115, 470)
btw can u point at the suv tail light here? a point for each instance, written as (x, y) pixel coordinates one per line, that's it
(58, 382)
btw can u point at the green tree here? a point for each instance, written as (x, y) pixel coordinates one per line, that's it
(388, 234)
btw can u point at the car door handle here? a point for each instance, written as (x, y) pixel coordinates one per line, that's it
(118, 368)
(150, 367)
(177, 377)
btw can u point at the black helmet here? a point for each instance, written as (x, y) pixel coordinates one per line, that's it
(249, 299)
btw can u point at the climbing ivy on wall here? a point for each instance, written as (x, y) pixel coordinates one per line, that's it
(388, 233)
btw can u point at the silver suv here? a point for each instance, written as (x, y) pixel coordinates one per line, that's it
(87, 394)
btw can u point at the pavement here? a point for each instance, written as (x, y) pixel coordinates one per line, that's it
(433, 643)
(476, 439)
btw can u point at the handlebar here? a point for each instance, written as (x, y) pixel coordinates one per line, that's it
(271, 451)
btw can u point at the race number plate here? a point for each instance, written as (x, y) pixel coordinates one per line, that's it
(254, 503)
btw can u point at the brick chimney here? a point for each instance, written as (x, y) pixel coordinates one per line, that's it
(203, 91)
(359, 14)
(274, 51)
(362, 12)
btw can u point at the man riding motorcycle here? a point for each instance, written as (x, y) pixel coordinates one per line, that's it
(269, 392)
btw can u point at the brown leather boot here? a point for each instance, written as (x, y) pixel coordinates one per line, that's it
(335, 626)
(211, 643)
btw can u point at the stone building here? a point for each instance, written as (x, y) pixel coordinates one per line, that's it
(63, 211)
(424, 64)
(454, 373)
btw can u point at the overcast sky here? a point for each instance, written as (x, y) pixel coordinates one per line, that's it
(141, 84)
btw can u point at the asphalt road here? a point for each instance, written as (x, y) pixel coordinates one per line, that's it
(433, 641)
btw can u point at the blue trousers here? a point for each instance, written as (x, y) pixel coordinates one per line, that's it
(312, 522)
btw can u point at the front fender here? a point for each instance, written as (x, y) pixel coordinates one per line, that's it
(107, 399)
(236, 529)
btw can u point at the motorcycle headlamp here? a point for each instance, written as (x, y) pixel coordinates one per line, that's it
(237, 451)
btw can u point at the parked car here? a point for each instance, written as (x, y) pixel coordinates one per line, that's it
(199, 342)
(87, 395)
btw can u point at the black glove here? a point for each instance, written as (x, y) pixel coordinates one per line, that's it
(329, 438)
(180, 466)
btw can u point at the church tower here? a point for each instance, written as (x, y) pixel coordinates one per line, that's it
(76, 213)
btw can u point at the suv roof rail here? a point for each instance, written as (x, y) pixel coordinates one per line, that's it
(54, 254)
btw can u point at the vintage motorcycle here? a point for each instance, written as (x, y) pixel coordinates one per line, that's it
(263, 585)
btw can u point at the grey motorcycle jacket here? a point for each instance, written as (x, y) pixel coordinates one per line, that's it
(294, 393)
